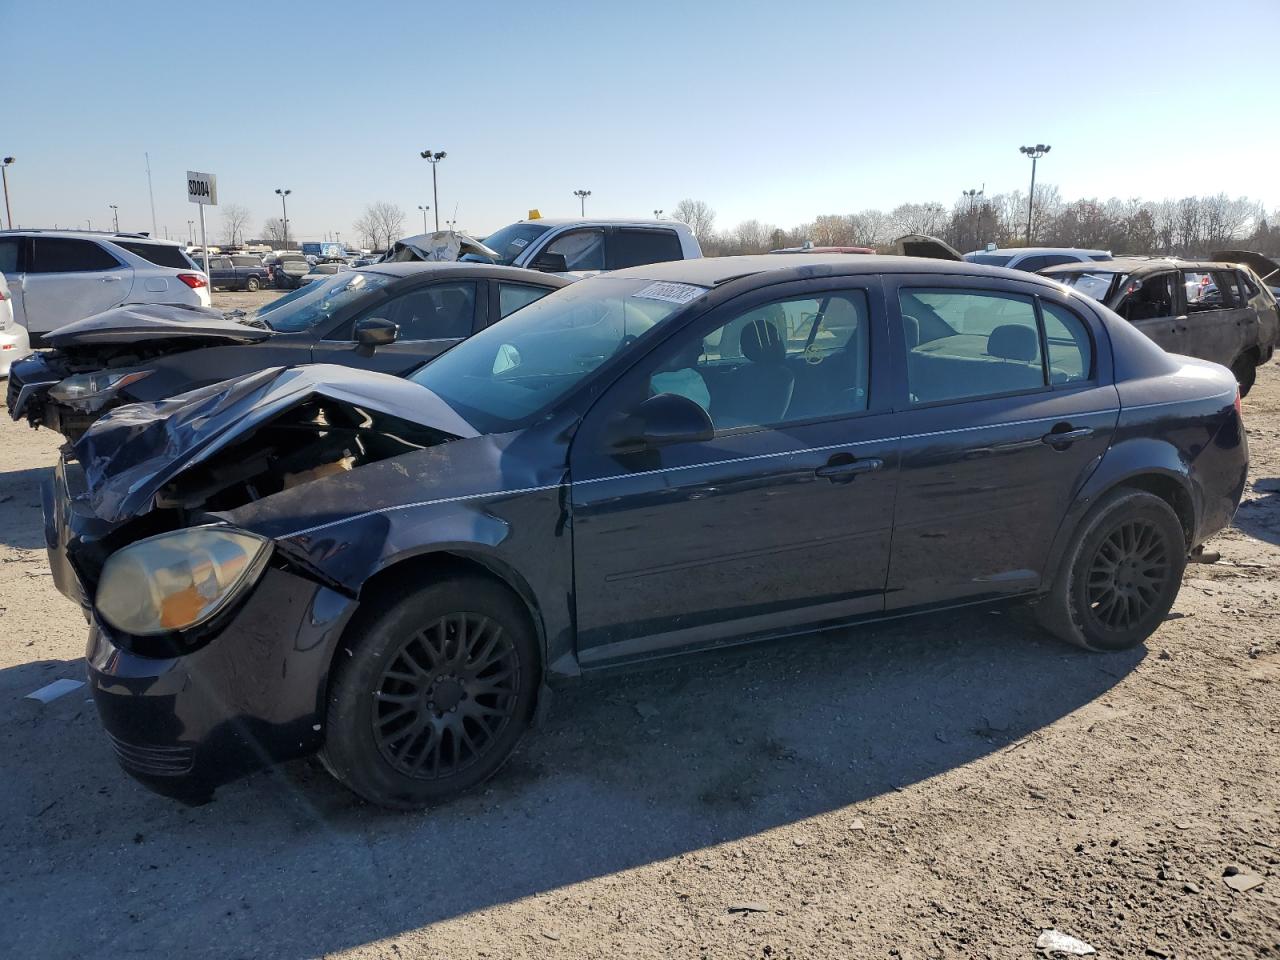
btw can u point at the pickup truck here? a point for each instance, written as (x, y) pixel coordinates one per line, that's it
(237, 272)
(579, 246)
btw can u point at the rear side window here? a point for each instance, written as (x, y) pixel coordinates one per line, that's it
(513, 296)
(246, 261)
(64, 255)
(8, 256)
(1246, 283)
(1229, 285)
(1032, 264)
(635, 248)
(161, 254)
(965, 344)
(1068, 345)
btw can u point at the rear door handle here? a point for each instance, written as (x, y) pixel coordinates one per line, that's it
(111, 279)
(848, 469)
(1066, 437)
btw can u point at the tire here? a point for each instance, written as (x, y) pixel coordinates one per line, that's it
(1120, 575)
(251, 284)
(1246, 371)
(411, 718)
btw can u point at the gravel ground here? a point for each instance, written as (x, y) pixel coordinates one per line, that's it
(948, 786)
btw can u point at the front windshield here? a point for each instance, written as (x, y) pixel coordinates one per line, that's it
(511, 372)
(990, 259)
(509, 242)
(1094, 283)
(317, 301)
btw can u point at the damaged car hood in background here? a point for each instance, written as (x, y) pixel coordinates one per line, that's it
(153, 321)
(922, 245)
(133, 451)
(446, 245)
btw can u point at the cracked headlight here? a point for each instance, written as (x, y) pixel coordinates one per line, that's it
(178, 580)
(92, 390)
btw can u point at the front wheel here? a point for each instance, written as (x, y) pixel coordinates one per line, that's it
(1120, 575)
(431, 696)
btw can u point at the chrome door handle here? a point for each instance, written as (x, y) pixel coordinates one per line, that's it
(110, 279)
(1066, 436)
(849, 469)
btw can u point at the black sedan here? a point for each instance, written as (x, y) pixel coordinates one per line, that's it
(664, 459)
(388, 318)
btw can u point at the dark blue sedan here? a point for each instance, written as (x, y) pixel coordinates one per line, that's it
(653, 461)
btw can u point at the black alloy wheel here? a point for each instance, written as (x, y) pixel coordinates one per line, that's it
(1128, 575)
(445, 696)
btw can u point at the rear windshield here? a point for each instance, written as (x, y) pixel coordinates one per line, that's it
(990, 259)
(161, 254)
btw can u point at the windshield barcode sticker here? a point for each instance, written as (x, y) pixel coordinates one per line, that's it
(670, 292)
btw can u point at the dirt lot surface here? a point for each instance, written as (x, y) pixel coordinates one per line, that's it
(951, 786)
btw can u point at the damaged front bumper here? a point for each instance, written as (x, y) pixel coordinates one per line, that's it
(250, 696)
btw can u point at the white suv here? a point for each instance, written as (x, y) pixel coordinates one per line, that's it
(1034, 259)
(57, 276)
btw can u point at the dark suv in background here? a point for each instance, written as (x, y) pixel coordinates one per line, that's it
(1209, 309)
(237, 271)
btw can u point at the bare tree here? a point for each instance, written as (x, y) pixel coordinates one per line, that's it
(273, 231)
(926, 218)
(381, 224)
(698, 215)
(234, 219)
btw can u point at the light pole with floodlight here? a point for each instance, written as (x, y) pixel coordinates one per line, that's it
(115, 216)
(657, 214)
(1034, 153)
(284, 214)
(4, 175)
(424, 209)
(433, 159)
(582, 200)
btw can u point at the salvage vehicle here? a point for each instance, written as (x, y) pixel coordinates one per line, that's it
(57, 277)
(14, 342)
(585, 246)
(1267, 268)
(388, 318)
(238, 271)
(391, 572)
(286, 270)
(1233, 320)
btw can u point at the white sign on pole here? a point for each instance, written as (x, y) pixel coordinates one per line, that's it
(202, 188)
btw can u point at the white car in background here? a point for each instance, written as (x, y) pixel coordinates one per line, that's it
(14, 343)
(1034, 259)
(59, 276)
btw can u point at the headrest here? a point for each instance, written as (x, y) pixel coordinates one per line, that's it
(1012, 341)
(761, 342)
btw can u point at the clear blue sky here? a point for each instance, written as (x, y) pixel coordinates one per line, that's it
(778, 111)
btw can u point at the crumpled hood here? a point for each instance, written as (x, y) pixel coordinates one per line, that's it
(133, 451)
(132, 322)
(923, 245)
(447, 245)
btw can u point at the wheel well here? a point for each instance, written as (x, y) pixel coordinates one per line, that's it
(390, 582)
(1172, 493)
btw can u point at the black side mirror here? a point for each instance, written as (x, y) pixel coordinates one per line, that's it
(551, 263)
(665, 419)
(374, 332)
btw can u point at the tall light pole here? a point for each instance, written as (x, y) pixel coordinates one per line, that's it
(284, 214)
(972, 196)
(657, 214)
(115, 217)
(1034, 153)
(4, 175)
(582, 200)
(191, 233)
(424, 210)
(433, 159)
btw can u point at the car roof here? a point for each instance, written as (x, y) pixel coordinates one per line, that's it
(1016, 251)
(91, 235)
(412, 268)
(599, 221)
(1138, 265)
(713, 271)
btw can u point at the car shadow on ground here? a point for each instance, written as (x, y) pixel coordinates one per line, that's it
(1259, 517)
(23, 528)
(623, 772)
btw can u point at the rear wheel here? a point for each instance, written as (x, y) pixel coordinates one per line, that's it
(1246, 371)
(251, 284)
(1120, 575)
(431, 697)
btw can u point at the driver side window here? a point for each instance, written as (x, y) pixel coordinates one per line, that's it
(441, 311)
(792, 360)
(581, 249)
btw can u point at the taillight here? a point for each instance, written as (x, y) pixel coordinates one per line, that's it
(1239, 412)
(193, 280)
(1, 295)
